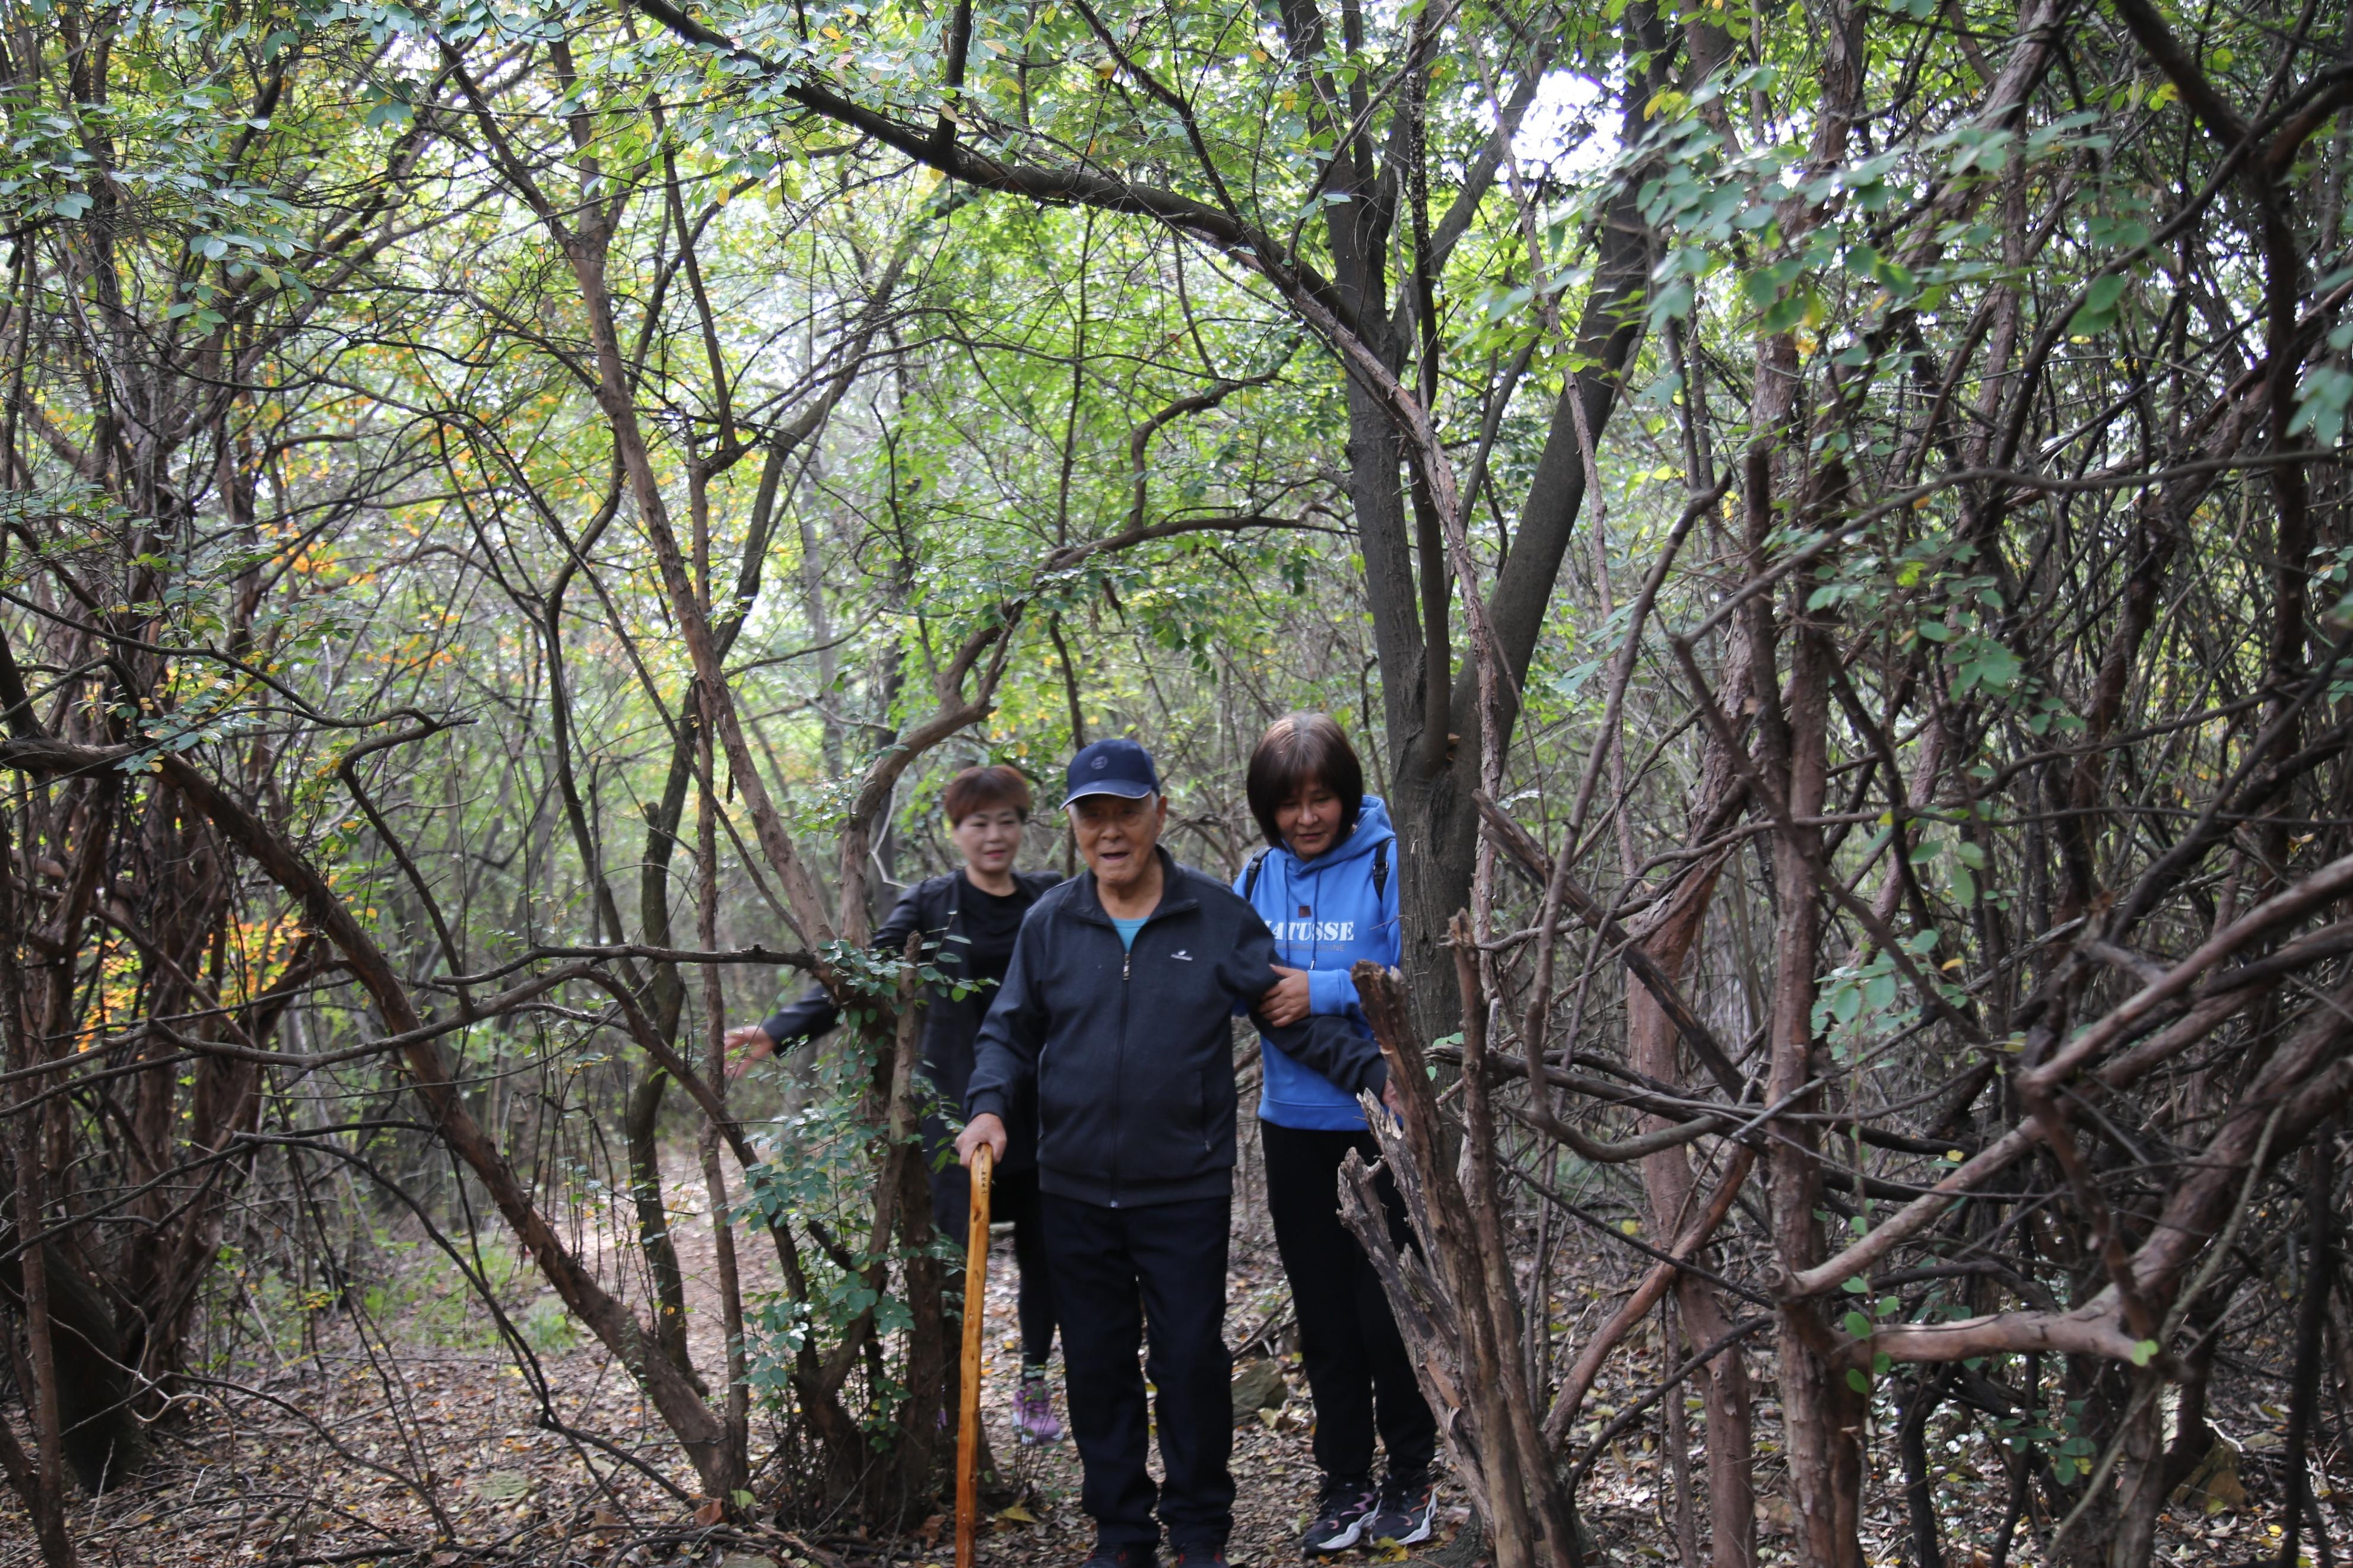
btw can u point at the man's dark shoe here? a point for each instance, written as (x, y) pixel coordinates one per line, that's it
(1206, 1556)
(1406, 1511)
(1108, 1556)
(1342, 1508)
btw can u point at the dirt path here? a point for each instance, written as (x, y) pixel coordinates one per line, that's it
(403, 1433)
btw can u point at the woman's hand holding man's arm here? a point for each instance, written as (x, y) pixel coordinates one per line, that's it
(1288, 999)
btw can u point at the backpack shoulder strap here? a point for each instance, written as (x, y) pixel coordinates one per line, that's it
(1250, 877)
(1380, 870)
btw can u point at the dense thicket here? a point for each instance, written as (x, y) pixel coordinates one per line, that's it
(1829, 523)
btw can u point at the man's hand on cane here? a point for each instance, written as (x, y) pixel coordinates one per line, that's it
(986, 1127)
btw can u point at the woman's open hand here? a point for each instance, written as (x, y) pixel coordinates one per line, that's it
(744, 1047)
(1285, 1001)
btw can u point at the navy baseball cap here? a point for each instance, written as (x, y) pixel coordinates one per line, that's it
(1117, 766)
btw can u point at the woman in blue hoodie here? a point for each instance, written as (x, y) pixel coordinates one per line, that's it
(1327, 887)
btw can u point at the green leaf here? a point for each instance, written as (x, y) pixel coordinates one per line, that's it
(1792, 311)
(2101, 302)
(2117, 233)
(1991, 664)
(2321, 403)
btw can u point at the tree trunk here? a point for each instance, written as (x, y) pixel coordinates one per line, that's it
(2311, 1319)
(41, 1478)
(1652, 1050)
(641, 1121)
(738, 1402)
(640, 1125)
(1821, 1412)
(930, 1354)
(1919, 1484)
(101, 1438)
(2138, 1488)
(1655, 1047)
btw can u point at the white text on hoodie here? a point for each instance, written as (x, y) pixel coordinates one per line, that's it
(1315, 931)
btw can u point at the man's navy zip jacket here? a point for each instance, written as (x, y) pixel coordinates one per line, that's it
(931, 906)
(1131, 1052)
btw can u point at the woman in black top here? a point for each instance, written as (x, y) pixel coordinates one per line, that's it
(969, 919)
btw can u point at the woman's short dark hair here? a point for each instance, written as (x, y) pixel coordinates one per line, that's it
(1296, 748)
(978, 789)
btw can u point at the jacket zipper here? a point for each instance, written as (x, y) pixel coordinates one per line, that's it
(1119, 1083)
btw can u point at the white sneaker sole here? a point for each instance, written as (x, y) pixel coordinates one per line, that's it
(1421, 1530)
(1339, 1543)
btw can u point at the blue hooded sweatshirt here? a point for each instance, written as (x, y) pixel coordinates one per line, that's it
(1325, 915)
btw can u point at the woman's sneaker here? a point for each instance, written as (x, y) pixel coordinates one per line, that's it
(1341, 1510)
(1033, 1409)
(1408, 1506)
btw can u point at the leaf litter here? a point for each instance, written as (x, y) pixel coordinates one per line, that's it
(397, 1449)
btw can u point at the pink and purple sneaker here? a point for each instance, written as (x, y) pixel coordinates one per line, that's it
(1033, 1409)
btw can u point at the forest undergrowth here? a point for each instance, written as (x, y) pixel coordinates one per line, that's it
(418, 1443)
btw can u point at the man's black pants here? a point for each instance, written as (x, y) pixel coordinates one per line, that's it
(1349, 1339)
(1115, 1270)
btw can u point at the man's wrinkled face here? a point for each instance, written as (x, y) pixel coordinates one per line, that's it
(1117, 836)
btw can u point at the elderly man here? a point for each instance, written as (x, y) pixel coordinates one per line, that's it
(1118, 1007)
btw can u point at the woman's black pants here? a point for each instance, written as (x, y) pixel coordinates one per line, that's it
(1357, 1364)
(1012, 1195)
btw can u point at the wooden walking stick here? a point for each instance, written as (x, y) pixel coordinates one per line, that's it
(976, 1301)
